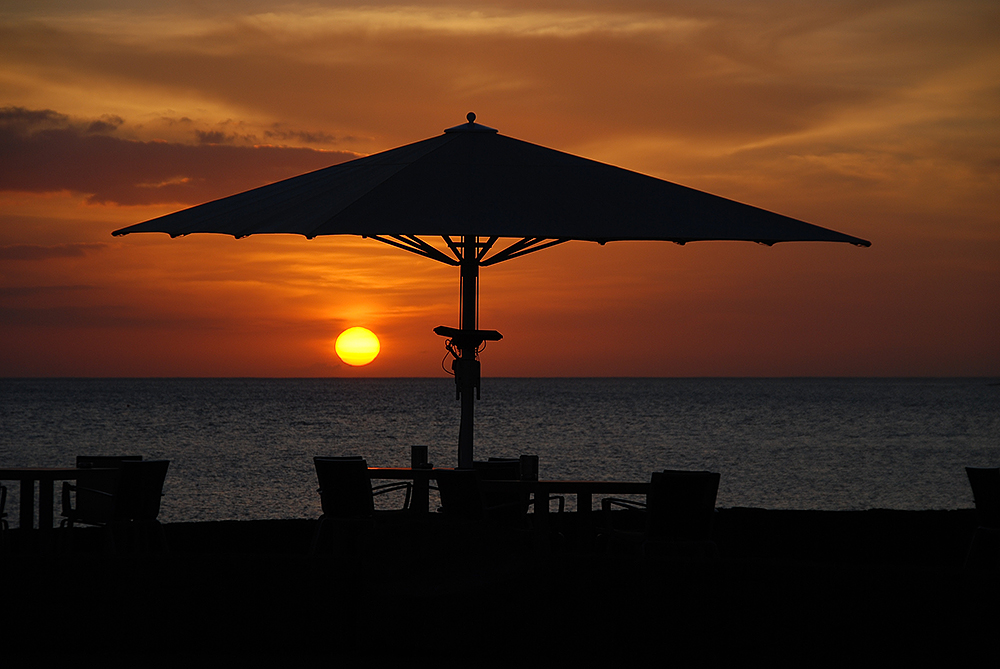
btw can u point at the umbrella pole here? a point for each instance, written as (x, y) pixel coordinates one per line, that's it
(468, 365)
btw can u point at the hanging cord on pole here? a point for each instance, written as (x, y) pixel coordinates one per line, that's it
(451, 353)
(465, 369)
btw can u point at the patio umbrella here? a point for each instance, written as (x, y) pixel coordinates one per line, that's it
(489, 198)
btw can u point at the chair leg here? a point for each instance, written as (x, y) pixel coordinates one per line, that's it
(65, 541)
(317, 536)
(984, 550)
(161, 536)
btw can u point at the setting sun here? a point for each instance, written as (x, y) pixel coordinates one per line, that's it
(357, 346)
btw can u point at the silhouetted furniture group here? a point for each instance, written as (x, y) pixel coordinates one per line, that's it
(119, 493)
(45, 477)
(677, 511)
(675, 518)
(122, 495)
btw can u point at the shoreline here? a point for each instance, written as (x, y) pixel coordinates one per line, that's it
(787, 584)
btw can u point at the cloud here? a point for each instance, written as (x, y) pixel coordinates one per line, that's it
(45, 151)
(277, 132)
(212, 137)
(107, 123)
(706, 77)
(19, 119)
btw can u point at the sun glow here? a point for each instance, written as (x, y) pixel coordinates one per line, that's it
(357, 346)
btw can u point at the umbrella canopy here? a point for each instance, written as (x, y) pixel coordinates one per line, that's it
(473, 180)
(473, 187)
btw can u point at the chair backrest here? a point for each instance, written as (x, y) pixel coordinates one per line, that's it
(104, 461)
(461, 494)
(498, 469)
(504, 469)
(529, 467)
(140, 487)
(681, 504)
(524, 467)
(985, 482)
(345, 488)
(105, 481)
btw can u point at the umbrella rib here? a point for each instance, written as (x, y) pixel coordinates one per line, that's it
(512, 250)
(419, 243)
(416, 246)
(508, 252)
(523, 247)
(435, 253)
(486, 249)
(453, 245)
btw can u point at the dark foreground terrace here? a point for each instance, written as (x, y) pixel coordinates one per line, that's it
(803, 587)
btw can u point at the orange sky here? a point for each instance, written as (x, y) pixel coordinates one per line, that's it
(878, 119)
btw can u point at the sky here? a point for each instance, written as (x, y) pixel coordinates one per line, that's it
(877, 119)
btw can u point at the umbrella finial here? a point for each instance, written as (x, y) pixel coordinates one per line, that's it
(471, 126)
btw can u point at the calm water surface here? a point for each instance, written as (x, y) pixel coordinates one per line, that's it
(242, 448)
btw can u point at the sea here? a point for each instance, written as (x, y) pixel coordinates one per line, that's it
(242, 449)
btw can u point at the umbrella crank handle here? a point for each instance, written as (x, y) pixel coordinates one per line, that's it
(466, 371)
(476, 367)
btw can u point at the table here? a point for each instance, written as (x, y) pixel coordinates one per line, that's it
(542, 490)
(583, 490)
(421, 477)
(45, 476)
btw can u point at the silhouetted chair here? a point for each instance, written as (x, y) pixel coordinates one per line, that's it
(93, 495)
(474, 520)
(524, 468)
(984, 550)
(676, 517)
(512, 501)
(463, 500)
(130, 509)
(348, 497)
(476, 516)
